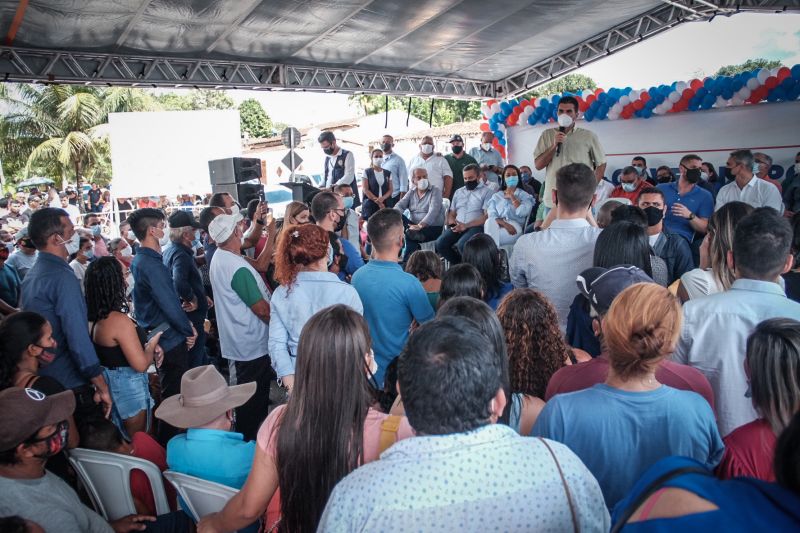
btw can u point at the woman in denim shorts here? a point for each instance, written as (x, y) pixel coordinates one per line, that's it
(120, 346)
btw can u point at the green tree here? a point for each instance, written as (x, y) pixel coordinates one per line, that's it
(194, 100)
(254, 120)
(444, 111)
(59, 130)
(747, 66)
(572, 83)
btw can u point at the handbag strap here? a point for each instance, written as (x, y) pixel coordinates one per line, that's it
(389, 428)
(653, 487)
(575, 524)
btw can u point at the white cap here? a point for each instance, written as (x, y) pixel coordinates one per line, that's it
(221, 228)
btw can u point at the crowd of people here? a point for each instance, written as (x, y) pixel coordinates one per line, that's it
(462, 348)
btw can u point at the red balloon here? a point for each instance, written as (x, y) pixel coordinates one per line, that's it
(512, 120)
(783, 73)
(638, 105)
(590, 99)
(695, 84)
(484, 126)
(582, 106)
(771, 82)
(495, 142)
(491, 102)
(687, 94)
(645, 96)
(598, 91)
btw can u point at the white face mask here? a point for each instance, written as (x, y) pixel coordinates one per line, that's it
(163, 241)
(427, 149)
(797, 168)
(126, 252)
(72, 245)
(131, 235)
(373, 366)
(377, 161)
(129, 285)
(422, 184)
(486, 146)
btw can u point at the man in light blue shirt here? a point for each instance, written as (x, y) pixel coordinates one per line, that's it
(715, 328)
(396, 165)
(209, 449)
(463, 471)
(392, 298)
(488, 158)
(466, 216)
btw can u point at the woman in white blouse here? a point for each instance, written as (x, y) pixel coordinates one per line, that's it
(508, 209)
(714, 274)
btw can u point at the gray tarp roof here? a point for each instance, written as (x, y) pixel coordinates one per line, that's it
(505, 45)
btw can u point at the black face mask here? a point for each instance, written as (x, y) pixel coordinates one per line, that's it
(654, 215)
(471, 185)
(458, 149)
(387, 147)
(328, 150)
(664, 179)
(693, 175)
(342, 222)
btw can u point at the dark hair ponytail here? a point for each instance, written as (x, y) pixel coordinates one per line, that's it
(17, 332)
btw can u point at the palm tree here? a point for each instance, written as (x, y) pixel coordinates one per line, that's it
(60, 128)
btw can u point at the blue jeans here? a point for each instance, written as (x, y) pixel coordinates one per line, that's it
(445, 243)
(130, 391)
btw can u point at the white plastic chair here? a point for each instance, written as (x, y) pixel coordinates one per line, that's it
(107, 478)
(200, 497)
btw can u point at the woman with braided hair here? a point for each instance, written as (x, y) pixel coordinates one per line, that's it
(301, 267)
(121, 346)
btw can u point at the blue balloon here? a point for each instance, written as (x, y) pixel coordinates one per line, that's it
(796, 72)
(556, 99)
(772, 96)
(602, 97)
(727, 94)
(647, 112)
(693, 107)
(650, 104)
(787, 84)
(701, 92)
(737, 85)
(708, 83)
(779, 93)
(531, 120)
(505, 107)
(543, 102)
(795, 93)
(544, 120)
(502, 142)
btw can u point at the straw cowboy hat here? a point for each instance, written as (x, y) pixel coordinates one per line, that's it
(204, 397)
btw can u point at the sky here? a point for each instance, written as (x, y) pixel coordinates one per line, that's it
(690, 50)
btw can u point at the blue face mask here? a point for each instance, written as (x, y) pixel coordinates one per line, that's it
(526, 177)
(96, 230)
(348, 202)
(629, 187)
(196, 240)
(512, 181)
(89, 254)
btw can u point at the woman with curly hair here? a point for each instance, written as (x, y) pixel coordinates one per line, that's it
(623, 426)
(302, 259)
(121, 346)
(536, 349)
(427, 268)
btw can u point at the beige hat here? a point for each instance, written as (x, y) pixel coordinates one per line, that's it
(221, 228)
(204, 397)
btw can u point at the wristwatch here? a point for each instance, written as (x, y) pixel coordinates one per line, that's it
(691, 216)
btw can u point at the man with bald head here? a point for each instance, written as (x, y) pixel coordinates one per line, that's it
(424, 203)
(439, 173)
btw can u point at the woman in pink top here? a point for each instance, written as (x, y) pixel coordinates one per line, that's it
(772, 364)
(331, 428)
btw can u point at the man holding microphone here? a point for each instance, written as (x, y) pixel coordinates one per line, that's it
(559, 147)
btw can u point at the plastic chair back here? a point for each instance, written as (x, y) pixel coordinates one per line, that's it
(107, 478)
(200, 497)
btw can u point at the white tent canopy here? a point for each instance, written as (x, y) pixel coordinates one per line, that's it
(449, 48)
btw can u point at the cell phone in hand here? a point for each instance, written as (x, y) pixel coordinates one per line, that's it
(161, 328)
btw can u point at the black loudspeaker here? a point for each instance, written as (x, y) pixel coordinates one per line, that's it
(242, 192)
(234, 170)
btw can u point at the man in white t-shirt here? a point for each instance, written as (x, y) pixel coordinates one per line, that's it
(439, 172)
(241, 300)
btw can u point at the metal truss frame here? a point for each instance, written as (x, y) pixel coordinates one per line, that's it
(53, 66)
(60, 66)
(653, 22)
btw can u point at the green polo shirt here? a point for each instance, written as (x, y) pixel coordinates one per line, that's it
(457, 166)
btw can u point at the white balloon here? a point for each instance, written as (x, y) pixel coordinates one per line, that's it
(774, 72)
(674, 96)
(501, 127)
(612, 115)
(681, 86)
(634, 95)
(720, 102)
(763, 74)
(624, 100)
(616, 108)
(753, 84)
(495, 108)
(667, 105)
(736, 100)
(587, 92)
(744, 93)
(485, 110)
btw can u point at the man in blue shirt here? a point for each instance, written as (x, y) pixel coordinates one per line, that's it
(209, 449)
(52, 290)
(330, 214)
(488, 158)
(688, 206)
(392, 298)
(186, 277)
(158, 305)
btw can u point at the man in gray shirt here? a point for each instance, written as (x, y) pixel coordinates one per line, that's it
(466, 215)
(33, 428)
(424, 204)
(550, 260)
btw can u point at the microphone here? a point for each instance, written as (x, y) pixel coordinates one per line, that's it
(564, 122)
